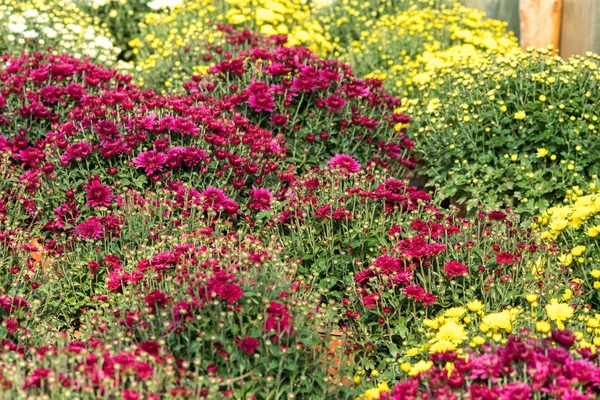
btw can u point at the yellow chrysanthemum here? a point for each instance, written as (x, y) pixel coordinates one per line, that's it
(499, 321)
(455, 312)
(452, 332)
(543, 326)
(475, 306)
(421, 366)
(578, 250)
(442, 346)
(559, 311)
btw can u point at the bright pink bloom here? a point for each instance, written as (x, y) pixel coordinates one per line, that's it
(262, 101)
(345, 163)
(230, 292)
(261, 199)
(387, 265)
(151, 161)
(454, 269)
(213, 198)
(504, 258)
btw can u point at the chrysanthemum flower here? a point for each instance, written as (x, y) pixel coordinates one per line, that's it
(98, 194)
(455, 268)
(261, 199)
(152, 161)
(344, 163)
(90, 229)
(558, 311)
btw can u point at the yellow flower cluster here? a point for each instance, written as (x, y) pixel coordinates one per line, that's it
(458, 326)
(60, 25)
(578, 214)
(276, 17)
(375, 393)
(409, 46)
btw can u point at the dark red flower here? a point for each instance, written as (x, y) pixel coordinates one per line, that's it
(249, 345)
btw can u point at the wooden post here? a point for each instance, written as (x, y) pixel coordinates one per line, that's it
(540, 22)
(580, 27)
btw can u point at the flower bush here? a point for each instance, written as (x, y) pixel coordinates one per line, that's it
(522, 368)
(319, 105)
(382, 249)
(112, 133)
(573, 227)
(405, 43)
(63, 26)
(517, 130)
(235, 219)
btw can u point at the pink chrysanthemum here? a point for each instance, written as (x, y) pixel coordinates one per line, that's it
(261, 199)
(90, 229)
(262, 101)
(66, 214)
(98, 194)
(213, 198)
(344, 163)
(455, 268)
(151, 161)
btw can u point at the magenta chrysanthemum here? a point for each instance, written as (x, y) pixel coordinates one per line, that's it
(213, 198)
(261, 199)
(344, 163)
(97, 194)
(262, 101)
(152, 161)
(90, 229)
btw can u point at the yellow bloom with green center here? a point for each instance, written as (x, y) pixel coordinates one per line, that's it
(541, 152)
(455, 312)
(520, 115)
(559, 312)
(578, 250)
(499, 321)
(452, 332)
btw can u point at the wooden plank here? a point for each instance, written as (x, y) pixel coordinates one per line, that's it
(580, 27)
(540, 22)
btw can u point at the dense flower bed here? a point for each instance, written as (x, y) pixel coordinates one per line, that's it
(232, 216)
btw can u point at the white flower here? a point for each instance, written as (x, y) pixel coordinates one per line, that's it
(31, 13)
(17, 24)
(124, 66)
(75, 28)
(30, 34)
(16, 28)
(42, 19)
(103, 42)
(49, 32)
(91, 52)
(158, 4)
